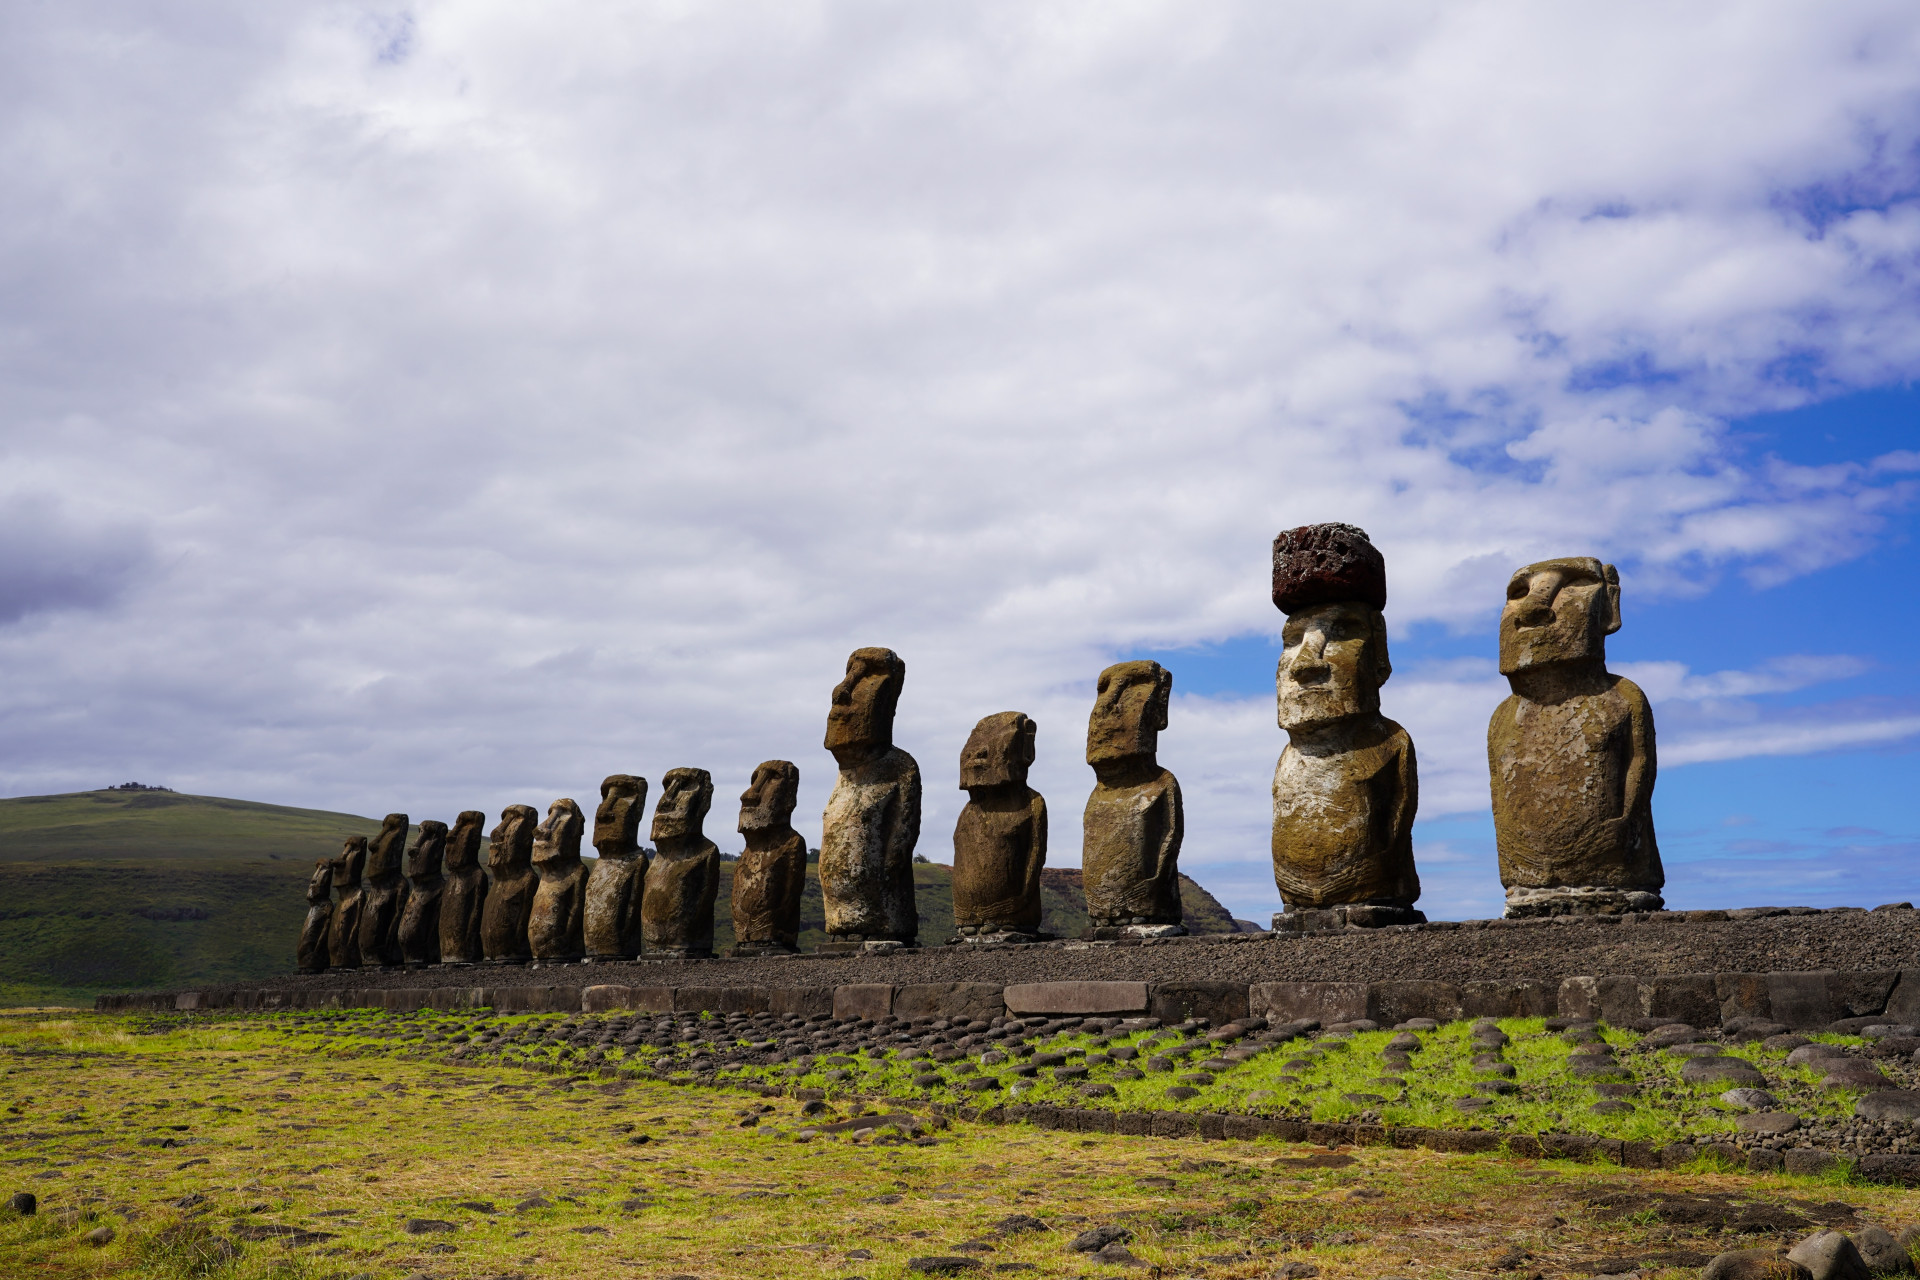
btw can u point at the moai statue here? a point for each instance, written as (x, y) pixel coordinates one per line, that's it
(464, 897)
(1131, 833)
(420, 921)
(556, 927)
(619, 878)
(1347, 785)
(503, 922)
(343, 931)
(683, 880)
(771, 875)
(386, 894)
(872, 820)
(1000, 841)
(312, 954)
(1571, 751)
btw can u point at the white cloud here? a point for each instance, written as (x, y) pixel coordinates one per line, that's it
(515, 395)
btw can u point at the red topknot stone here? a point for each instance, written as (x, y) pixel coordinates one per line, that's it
(1324, 563)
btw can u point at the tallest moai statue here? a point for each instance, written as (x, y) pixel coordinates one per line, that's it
(1571, 751)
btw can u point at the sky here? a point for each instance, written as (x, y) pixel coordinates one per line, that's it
(442, 406)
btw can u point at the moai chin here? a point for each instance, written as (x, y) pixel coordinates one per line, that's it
(312, 953)
(618, 880)
(1134, 822)
(1571, 751)
(343, 932)
(556, 926)
(426, 884)
(772, 873)
(872, 820)
(1347, 785)
(386, 894)
(683, 880)
(503, 921)
(1000, 840)
(464, 896)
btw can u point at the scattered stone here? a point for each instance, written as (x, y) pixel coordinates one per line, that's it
(100, 1237)
(24, 1203)
(1829, 1255)
(1014, 1224)
(1897, 1105)
(1736, 1071)
(1094, 1239)
(425, 1226)
(1181, 1092)
(1118, 1255)
(1753, 1264)
(942, 1266)
(1883, 1254)
(531, 1203)
(1750, 1099)
(1767, 1123)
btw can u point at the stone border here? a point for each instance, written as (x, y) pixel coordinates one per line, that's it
(1801, 1001)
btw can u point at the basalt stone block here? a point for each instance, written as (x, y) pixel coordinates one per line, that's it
(1692, 998)
(1859, 993)
(1903, 1002)
(1323, 1002)
(1899, 1169)
(1219, 1002)
(804, 1002)
(720, 1000)
(980, 1000)
(1578, 997)
(1518, 998)
(536, 999)
(1083, 999)
(1810, 1161)
(1801, 1000)
(863, 1000)
(1398, 1000)
(1743, 995)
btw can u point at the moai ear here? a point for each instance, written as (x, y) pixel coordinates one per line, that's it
(1611, 576)
(1382, 662)
(1023, 741)
(1162, 695)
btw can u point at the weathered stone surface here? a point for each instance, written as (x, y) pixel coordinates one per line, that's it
(1000, 840)
(1322, 1002)
(863, 1000)
(1903, 1002)
(1571, 751)
(606, 998)
(982, 1000)
(556, 923)
(426, 884)
(872, 819)
(1753, 1264)
(503, 921)
(1718, 1070)
(1829, 1255)
(1902, 1105)
(1520, 998)
(1883, 1255)
(683, 881)
(1085, 999)
(1801, 1001)
(803, 1001)
(1346, 787)
(1218, 1002)
(772, 874)
(617, 883)
(464, 896)
(311, 955)
(1396, 1001)
(1134, 820)
(343, 931)
(385, 894)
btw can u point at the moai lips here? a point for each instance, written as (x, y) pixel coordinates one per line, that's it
(1571, 751)
(683, 881)
(343, 932)
(772, 873)
(426, 884)
(464, 895)
(872, 820)
(1134, 821)
(503, 921)
(617, 883)
(1000, 840)
(312, 953)
(556, 923)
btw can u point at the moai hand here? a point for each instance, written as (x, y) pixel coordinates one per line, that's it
(872, 821)
(772, 874)
(1000, 840)
(1134, 822)
(618, 881)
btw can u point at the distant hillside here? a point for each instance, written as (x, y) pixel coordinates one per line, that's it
(150, 889)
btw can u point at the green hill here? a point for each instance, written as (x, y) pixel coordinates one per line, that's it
(119, 891)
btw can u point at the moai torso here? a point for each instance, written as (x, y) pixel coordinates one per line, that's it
(1343, 819)
(463, 895)
(386, 894)
(617, 884)
(1000, 839)
(312, 953)
(503, 921)
(1134, 821)
(556, 923)
(343, 931)
(683, 880)
(771, 875)
(420, 920)
(872, 819)
(1571, 752)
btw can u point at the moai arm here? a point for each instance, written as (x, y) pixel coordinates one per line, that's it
(903, 817)
(1166, 862)
(1039, 859)
(1406, 796)
(1637, 795)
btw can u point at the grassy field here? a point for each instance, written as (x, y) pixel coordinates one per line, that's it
(119, 891)
(257, 1147)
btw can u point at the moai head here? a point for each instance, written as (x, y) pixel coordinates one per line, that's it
(767, 803)
(320, 883)
(558, 839)
(510, 846)
(685, 795)
(616, 823)
(1000, 750)
(1331, 582)
(463, 842)
(424, 859)
(1559, 611)
(1129, 710)
(384, 850)
(350, 864)
(860, 721)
